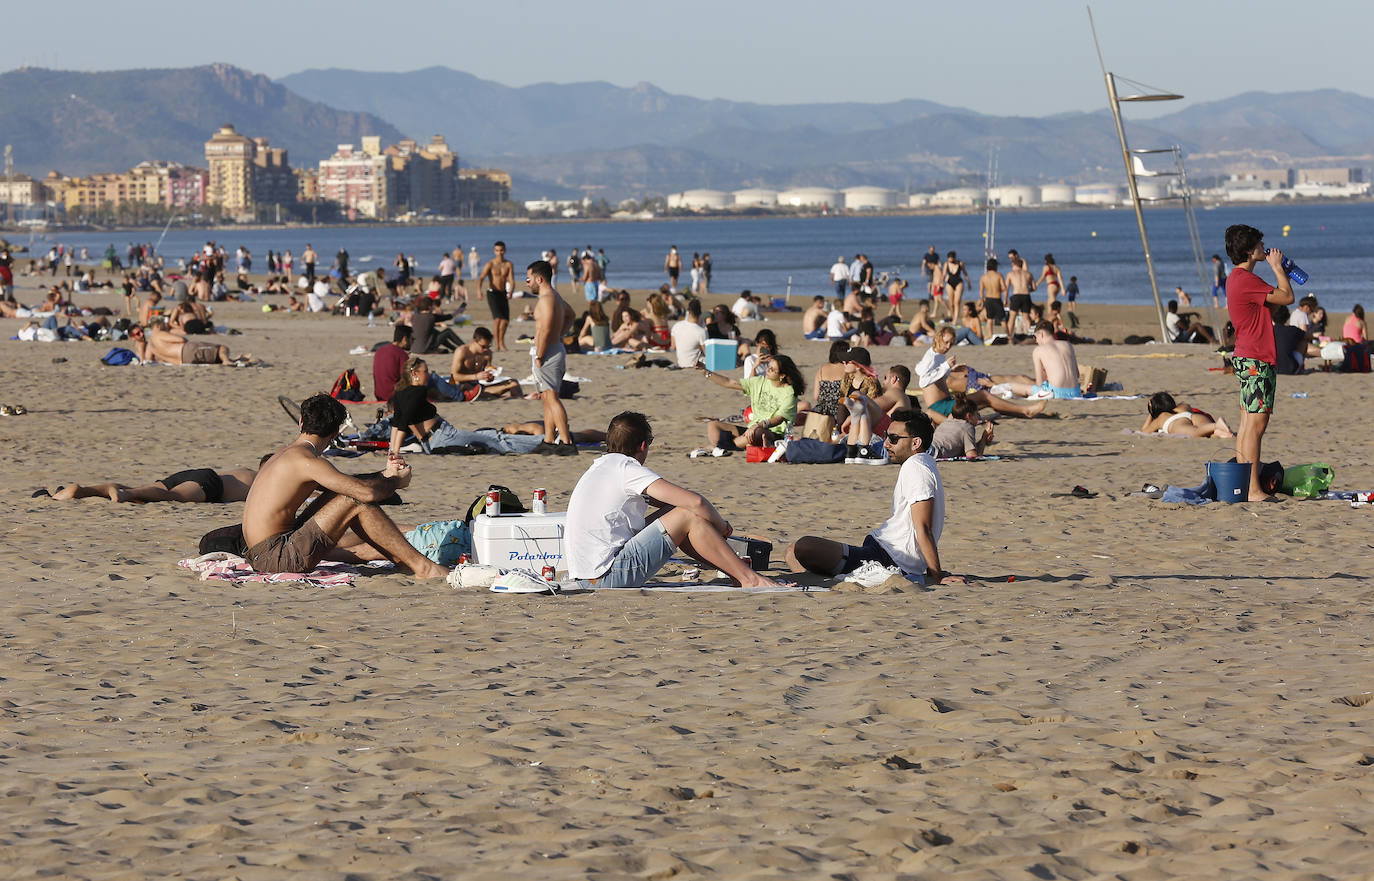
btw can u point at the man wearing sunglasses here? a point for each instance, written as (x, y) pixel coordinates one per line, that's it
(909, 539)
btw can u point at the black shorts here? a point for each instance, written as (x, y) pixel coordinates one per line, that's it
(995, 310)
(673, 273)
(499, 304)
(1020, 302)
(870, 550)
(205, 478)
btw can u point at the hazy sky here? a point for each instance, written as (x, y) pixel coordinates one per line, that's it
(1030, 57)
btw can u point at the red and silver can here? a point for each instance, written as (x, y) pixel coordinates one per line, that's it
(464, 559)
(541, 496)
(1364, 497)
(548, 573)
(493, 508)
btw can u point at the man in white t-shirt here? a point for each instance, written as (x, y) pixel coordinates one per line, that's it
(837, 325)
(689, 337)
(745, 308)
(909, 539)
(611, 538)
(839, 276)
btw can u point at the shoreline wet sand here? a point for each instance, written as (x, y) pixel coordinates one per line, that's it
(1161, 691)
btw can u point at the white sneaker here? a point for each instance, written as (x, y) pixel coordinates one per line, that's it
(521, 581)
(778, 451)
(698, 453)
(720, 451)
(871, 574)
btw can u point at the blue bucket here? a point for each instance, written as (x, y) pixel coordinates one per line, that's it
(1232, 480)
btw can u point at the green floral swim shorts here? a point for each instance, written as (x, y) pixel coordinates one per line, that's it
(1257, 384)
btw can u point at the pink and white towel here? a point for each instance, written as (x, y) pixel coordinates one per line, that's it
(227, 567)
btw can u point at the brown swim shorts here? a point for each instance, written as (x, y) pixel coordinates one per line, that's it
(295, 551)
(199, 353)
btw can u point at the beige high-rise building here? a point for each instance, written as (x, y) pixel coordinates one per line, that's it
(246, 173)
(230, 158)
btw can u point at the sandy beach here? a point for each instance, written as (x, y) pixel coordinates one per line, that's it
(1122, 689)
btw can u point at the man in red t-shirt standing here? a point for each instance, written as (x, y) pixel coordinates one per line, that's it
(1248, 299)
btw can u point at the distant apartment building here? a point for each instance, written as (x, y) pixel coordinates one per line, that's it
(246, 173)
(425, 178)
(369, 181)
(482, 189)
(21, 190)
(307, 184)
(359, 180)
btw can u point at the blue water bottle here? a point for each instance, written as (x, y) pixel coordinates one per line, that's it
(1292, 270)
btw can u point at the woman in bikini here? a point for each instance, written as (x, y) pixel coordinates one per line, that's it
(1167, 417)
(1052, 279)
(955, 275)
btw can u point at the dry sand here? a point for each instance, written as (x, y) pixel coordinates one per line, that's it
(1160, 692)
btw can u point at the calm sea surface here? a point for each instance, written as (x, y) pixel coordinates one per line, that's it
(1102, 247)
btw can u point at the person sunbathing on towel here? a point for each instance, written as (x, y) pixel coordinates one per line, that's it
(1166, 417)
(191, 485)
(282, 537)
(162, 345)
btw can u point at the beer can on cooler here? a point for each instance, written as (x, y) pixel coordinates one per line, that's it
(541, 495)
(493, 503)
(548, 573)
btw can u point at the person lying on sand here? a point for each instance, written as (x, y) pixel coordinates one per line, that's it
(613, 541)
(932, 374)
(279, 539)
(909, 539)
(191, 485)
(1166, 417)
(162, 345)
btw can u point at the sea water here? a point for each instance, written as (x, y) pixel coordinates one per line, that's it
(772, 255)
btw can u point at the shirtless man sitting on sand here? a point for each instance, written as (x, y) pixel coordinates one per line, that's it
(162, 345)
(471, 366)
(813, 319)
(191, 485)
(281, 540)
(1056, 367)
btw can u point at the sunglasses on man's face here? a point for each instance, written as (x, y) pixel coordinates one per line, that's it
(895, 439)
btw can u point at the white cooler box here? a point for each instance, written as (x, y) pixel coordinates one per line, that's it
(519, 541)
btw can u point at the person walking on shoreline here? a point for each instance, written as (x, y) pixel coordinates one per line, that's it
(1248, 298)
(309, 258)
(672, 264)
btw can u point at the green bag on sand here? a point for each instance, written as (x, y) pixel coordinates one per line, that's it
(1307, 481)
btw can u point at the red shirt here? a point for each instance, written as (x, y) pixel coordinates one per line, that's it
(387, 364)
(1245, 301)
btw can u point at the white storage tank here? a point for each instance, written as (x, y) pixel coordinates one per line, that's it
(811, 197)
(755, 197)
(696, 200)
(1100, 194)
(1056, 194)
(918, 200)
(1152, 189)
(1015, 196)
(868, 198)
(960, 197)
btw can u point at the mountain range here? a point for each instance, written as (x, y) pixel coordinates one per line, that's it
(564, 140)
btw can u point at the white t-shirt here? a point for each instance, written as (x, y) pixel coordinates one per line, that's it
(834, 325)
(1171, 323)
(932, 368)
(1299, 319)
(689, 341)
(839, 272)
(315, 301)
(918, 481)
(606, 510)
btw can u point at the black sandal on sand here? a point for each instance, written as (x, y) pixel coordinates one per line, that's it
(39, 493)
(1078, 492)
